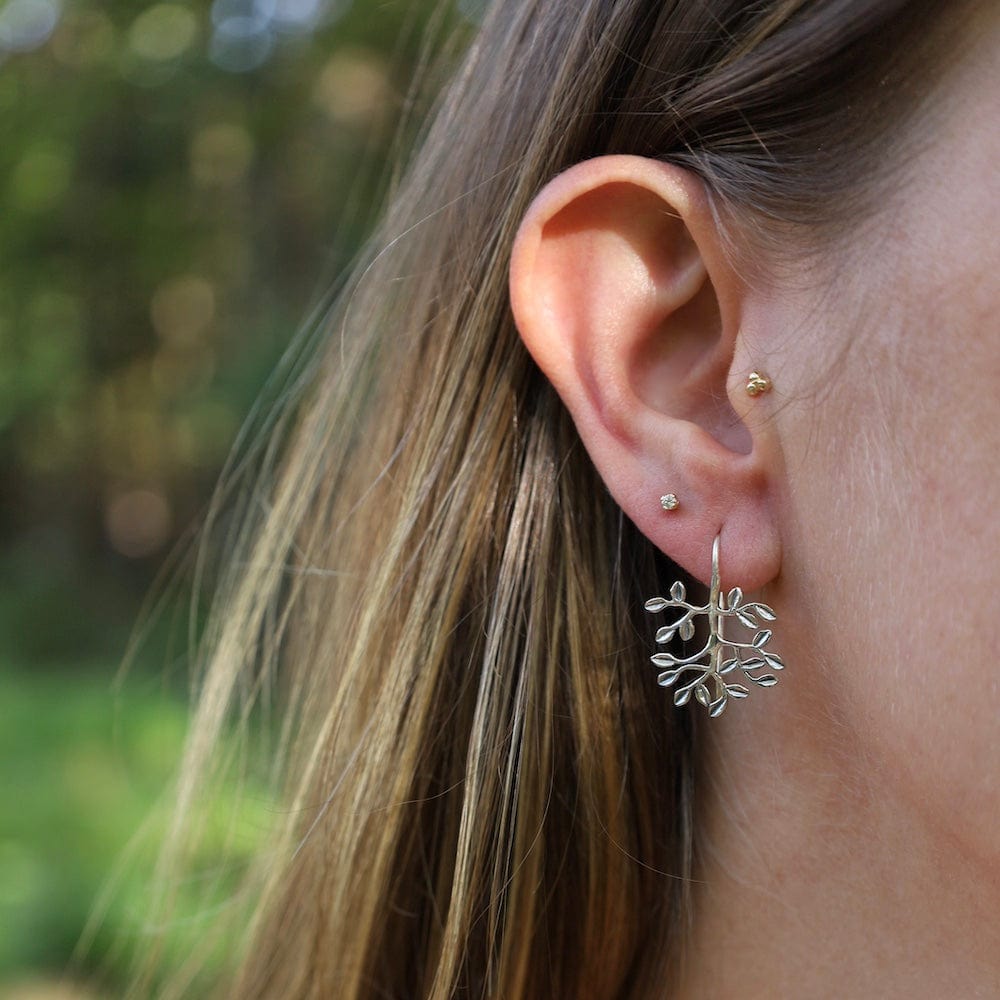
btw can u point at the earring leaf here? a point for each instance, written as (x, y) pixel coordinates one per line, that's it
(706, 668)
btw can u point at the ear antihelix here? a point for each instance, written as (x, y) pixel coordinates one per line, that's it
(704, 674)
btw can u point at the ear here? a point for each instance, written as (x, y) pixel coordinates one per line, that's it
(624, 295)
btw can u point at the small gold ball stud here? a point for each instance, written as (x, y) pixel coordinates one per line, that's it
(758, 383)
(669, 501)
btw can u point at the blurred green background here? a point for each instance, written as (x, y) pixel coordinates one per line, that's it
(179, 184)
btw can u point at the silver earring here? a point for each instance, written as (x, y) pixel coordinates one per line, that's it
(706, 667)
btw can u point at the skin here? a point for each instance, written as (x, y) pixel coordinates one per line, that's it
(849, 818)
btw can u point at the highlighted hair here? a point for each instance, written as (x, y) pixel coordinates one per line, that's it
(484, 792)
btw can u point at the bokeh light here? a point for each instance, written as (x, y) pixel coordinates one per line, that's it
(182, 308)
(84, 38)
(221, 155)
(241, 42)
(41, 176)
(352, 88)
(246, 32)
(27, 24)
(138, 522)
(163, 31)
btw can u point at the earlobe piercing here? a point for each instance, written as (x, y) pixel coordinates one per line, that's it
(707, 666)
(757, 384)
(669, 501)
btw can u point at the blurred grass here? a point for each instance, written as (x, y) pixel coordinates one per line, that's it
(83, 767)
(77, 781)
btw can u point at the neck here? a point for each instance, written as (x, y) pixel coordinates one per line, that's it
(817, 875)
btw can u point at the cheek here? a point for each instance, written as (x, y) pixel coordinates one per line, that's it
(894, 479)
(897, 475)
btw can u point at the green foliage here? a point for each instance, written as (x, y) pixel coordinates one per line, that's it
(171, 208)
(82, 769)
(165, 226)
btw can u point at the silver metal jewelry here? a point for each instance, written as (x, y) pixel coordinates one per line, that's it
(669, 501)
(707, 666)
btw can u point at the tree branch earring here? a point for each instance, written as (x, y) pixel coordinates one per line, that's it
(707, 666)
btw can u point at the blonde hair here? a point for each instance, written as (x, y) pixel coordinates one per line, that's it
(485, 794)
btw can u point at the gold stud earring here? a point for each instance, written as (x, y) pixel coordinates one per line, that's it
(669, 501)
(706, 669)
(757, 384)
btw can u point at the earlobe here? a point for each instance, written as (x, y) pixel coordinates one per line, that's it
(622, 292)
